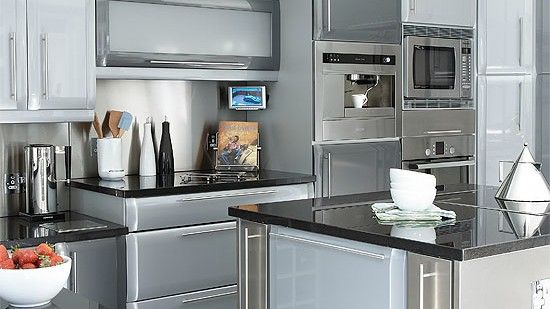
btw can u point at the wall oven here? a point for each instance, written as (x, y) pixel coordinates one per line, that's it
(438, 68)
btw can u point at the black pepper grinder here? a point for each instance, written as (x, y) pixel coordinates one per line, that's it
(166, 153)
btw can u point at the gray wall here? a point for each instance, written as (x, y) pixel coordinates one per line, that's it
(287, 124)
(192, 108)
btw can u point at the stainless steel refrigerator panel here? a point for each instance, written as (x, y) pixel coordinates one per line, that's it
(192, 261)
(357, 128)
(355, 168)
(439, 122)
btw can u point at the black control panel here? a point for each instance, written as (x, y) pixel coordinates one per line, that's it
(359, 59)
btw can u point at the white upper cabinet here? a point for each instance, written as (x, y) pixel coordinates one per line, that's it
(507, 121)
(506, 36)
(13, 56)
(61, 58)
(440, 12)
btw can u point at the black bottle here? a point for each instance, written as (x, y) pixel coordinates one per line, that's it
(166, 154)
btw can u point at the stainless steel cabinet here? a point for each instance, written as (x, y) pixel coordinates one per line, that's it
(507, 120)
(252, 265)
(442, 12)
(13, 58)
(61, 54)
(97, 270)
(358, 20)
(429, 282)
(217, 298)
(354, 168)
(308, 270)
(506, 36)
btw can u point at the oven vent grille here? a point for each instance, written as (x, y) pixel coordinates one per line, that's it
(437, 32)
(438, 104)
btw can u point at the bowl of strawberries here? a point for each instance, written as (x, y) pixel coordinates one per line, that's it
(32, 276)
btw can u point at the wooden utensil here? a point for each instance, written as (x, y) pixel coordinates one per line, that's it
(105, 125)
(97, 126)
(114, 119)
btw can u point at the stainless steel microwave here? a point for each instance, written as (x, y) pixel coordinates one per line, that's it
(192, 34)
(437, 68)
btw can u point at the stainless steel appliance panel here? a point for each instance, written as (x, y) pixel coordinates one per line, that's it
(446, 172)
(40, 179)
(193, 261)
(189, 209)
(429, 283)
(424, 147)
(358, 128)
(217, 298)
(253, 265)
(354, 168)
(438, 122)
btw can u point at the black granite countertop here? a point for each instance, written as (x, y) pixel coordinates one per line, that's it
(136, 186)
(64, 300)
(19, 231)
(482, 227)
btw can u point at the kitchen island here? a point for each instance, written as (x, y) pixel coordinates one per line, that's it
(332, 252)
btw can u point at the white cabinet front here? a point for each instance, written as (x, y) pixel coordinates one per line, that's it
(507, 121)
(506, 36)
(13, 56)
(60, 55)
(440, 12)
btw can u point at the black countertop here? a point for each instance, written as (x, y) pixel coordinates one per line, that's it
(64, 300)
(481, 229)
(136, 186)
(19, 231)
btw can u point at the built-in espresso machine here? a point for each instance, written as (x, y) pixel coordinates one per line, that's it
(356, 88)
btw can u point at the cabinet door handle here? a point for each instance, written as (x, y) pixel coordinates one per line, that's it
(221, 229)
(520, 41)
(377, 256)
(45, 69)
(329, 15)
(13, 66)
(412, 5)
(218, 196)
(422, 276)
(328, 157)
(246, 262)
(208, 297)
(520, 102)
(74, 257)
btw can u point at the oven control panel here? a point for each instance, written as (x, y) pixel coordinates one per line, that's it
(466, 69)
(440, 148)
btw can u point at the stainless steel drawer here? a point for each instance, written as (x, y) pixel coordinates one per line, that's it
(190, 209)
(175, 261)
(219, 298)
(439, 122)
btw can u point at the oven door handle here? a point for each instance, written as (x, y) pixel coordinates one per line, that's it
(426, 166)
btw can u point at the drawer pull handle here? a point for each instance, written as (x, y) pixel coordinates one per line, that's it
(209, 231)
(335, 247)
(213, 197)
(208, 297)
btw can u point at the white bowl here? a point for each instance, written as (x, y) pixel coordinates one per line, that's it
(413, 200)
(33, 287)
(398, 175)
(419, 185)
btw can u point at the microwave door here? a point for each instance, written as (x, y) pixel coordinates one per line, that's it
(433, 68)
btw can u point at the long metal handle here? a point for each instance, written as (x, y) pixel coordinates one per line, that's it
(329, 173)
(13, 66)
(45, 69)
(412, 5)
(213, 197)
(246, 262)
(74, 279)
(422, 276)
(521, 41)
(209, 231)
(329, 15)
(334, 247)
(520, 102)
(426, 166)
(208, 297)
(198, 63)
(443, 132)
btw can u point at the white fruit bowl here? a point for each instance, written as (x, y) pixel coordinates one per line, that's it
(33, 287)
(413, 200)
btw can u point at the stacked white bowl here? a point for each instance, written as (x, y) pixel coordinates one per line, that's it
(412, 191)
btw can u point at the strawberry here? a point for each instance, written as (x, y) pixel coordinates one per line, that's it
(55, 260)
(3, 253)
(44, 249)
(7, 264)
(28, 266)
(27, 256)
(15, 253)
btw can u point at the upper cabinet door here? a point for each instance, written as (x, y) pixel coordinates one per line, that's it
(358, 20)
(61, 54)
(440, 12)
(506, 36)
(13, 55)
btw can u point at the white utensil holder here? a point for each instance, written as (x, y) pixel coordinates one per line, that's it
(109, 159)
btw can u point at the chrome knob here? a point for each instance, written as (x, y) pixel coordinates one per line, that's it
(386, 60)
(452, 150)
(428, 152)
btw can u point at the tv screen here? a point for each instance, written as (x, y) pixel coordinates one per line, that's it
(247, 97)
